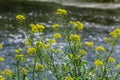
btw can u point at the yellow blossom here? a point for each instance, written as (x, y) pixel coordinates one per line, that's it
(100, 48)
(68, 78)
(52, 50)
(2, 59)
(27, 42)
(118, 66)
(19, 57)
(1, 46)
(40, 44)
(20, 17)
(75, 37)
(98, 63)
(57, 35)
(18, 50)
(89, 44)
(55, 26)
(31, 50)
(111, 59)
(115, 33)
(24, 71)
(78, 25)
(83, 52)
(7, 72)
(61, 12)
(51, 41)
(39, 67)
(1, 77)
(37, 28)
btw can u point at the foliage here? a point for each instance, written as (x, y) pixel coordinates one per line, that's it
(44, 54)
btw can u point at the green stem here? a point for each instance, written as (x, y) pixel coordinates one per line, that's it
(34, 69)
(24, 76)
(18, 70)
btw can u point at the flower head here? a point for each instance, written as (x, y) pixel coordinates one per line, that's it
(18, 50)
(55, 26)
(19, 57)
(57, 35)
(100, 48)
(75, 37)
(24, 71)
(31, 50)
(98, 63)
(83, 52)
(1, 78)
(118, 66)
(1, 46)
(68, 78)
(39, 67)
(20, 17)
(111, 59)
(2, 59)
(7, 72)
(89, 44)
(51, 41)
(61, 12)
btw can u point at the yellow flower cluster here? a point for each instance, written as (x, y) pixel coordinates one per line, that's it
(39, 67)
(2, 59)
(100, 48)
(73, 56)
(51, 41)
(83, 52)
(61, 12)
(98, 63)
(111, 59)
(78, 25)
(118, 66)
(68, 78)
(75, 37)
(57, 35)
(37, 28)
(31, 50)
(24, 71)
(55, 26)
(1, 78)
(7, 72)
(19, 57)
(40, 44)
(1, 46)
(20, 17)
(115, 33)
(18, 50)
(27, 42)
(89, 44)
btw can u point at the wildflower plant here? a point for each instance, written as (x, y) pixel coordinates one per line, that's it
(44, 55)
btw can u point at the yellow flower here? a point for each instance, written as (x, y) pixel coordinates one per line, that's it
(39, 67)
(78, 25)
(51, 41)
(52, 50)
(75, 37)
(57, 35)
(7, 72)
(89, 44)
(37, 28)
(27, 42)
(100, 48)
(111, 59)
(61, 12)
(2, 59)
(24, 71)
(107, 39)
(115, 33)
(1, 46)
(31, 50)
(83, 52)
(1, 78)
(18, 50)
(73, 56)
(20, 17)
(68, 78)
(98, 63)
(40, 44)
(55, 26)
(118, 66)
(19, 57)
